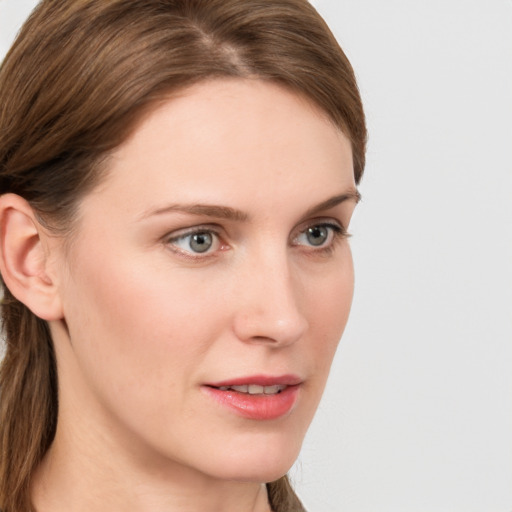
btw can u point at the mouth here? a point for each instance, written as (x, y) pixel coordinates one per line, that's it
(255, 389)
(257, 398)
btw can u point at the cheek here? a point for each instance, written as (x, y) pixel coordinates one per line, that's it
(133, 328)
(328, 306)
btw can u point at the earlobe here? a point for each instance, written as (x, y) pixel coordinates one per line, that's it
(23, 259)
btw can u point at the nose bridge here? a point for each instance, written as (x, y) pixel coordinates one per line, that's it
(270, 306)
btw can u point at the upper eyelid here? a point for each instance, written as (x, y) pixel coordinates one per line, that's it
(182, 233)
(217, 230)
(338, 228)
(320, 221)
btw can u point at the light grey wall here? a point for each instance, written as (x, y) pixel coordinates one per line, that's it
(417, 416)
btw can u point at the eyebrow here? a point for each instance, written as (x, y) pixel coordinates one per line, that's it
(351, 195)
(228, 213)
(206, 210)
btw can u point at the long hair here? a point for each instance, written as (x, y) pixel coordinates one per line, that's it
(77, 81)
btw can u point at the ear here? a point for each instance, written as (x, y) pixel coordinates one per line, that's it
(24, 258)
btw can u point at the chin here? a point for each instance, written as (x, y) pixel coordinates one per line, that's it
(260, 462)
(268, 473)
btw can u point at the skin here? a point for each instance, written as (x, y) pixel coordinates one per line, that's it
(145, 322)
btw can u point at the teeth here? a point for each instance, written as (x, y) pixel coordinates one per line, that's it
(240, 389)
(255, 389)
(272, 390)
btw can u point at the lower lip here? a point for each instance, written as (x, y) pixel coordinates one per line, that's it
(256, 407)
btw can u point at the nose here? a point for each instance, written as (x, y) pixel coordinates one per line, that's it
(268, 305)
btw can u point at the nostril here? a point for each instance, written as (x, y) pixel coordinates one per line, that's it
(270, 327)
(268, 309)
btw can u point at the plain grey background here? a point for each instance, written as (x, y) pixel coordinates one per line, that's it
(417, 416)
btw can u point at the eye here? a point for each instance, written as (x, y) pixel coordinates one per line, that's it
(319, 235)
(195, 242)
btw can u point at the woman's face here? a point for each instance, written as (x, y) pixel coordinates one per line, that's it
(213, 255)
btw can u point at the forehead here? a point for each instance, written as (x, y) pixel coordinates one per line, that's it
(231, 141)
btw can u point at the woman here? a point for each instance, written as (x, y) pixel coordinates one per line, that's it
(177, 180)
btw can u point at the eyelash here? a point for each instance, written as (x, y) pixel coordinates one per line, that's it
(337, 233)
(199, 230)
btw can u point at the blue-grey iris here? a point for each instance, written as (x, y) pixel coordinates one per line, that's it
(201, 242)
(317, 235)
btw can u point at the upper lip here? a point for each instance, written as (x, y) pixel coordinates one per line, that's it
(259, 380)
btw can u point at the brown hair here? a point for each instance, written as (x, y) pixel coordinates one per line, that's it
(75, 83)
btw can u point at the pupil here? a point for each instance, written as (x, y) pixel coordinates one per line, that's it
(201, 242)
(317, 235)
